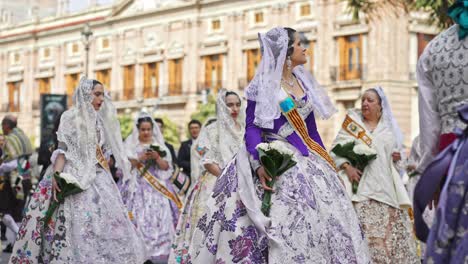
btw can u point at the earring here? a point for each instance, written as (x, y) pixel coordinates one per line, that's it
(289, 63)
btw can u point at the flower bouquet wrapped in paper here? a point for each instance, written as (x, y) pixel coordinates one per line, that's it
(359, 155)
(276, 158)
(68, 185)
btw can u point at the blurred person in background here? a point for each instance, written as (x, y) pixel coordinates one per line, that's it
(194, 127)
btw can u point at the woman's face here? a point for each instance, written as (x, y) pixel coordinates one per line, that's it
(145, 131)
(298, 57)
(370, 105)
(234, 104)
(98, 97)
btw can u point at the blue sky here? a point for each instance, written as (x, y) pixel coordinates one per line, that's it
(78, 5)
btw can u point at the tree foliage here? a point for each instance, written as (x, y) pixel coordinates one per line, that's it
(205, 110)
(372, 9)
(126, 125)
(171, 131)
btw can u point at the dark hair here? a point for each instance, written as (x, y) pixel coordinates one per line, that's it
(233, 93)
(291, 40)
(144, 119)
(375, 91)
(96, 82)
(9, 123)
(54, 132)
(194, 122)
(159, 120)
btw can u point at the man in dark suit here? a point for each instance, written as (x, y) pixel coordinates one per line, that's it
(194, 127)
(160, 123)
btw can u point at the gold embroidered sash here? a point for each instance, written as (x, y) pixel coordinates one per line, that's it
(356, 130)
(158, 186)
(289, 109)
(101, 159)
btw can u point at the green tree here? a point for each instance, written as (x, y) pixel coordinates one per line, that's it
(126, 125)
(205, 110)
(171, 131)
(372, 9)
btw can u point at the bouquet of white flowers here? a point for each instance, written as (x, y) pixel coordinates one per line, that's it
(68, 185)
(276, 158)
(359, 155)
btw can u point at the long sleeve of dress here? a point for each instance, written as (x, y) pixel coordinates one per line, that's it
(429, 118)
(253, 134)
(208, 141)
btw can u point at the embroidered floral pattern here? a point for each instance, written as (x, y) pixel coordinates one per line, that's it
(312, 221)
(446, 61)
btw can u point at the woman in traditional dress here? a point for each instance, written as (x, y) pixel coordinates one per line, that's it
(151, 206)
(443, 91)
(217, 144)
(91, 226)
(311, 218)
(381, 200)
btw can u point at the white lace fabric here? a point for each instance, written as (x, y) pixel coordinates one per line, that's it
(389, 119)
(221, 139)
(77, 131)
(265, 86)
(133, 145)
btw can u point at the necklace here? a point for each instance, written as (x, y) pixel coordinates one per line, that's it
(290, 83)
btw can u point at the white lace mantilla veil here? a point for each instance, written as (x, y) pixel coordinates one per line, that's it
(265, 87)
(229, 137)
(77, 131)
(389, 119)
(132, 142)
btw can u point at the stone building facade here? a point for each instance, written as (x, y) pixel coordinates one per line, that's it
(164, 56)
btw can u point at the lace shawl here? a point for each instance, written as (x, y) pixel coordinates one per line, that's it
(265, 86)
(77, 131)
(221, 139)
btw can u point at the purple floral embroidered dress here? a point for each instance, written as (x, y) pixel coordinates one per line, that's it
(311, 219)
(154, 215)
(217, 144)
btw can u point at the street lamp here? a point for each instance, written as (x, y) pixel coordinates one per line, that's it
(86, 33)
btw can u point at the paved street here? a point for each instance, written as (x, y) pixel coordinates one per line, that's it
(4, 257)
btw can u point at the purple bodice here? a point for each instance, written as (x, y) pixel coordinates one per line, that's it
(253, 133)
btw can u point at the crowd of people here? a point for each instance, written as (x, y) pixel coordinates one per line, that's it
(222, 197)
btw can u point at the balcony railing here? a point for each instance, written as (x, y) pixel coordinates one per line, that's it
(210, 86)
(348, 72)
(174, 89)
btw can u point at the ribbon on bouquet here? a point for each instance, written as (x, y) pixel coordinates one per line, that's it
(158, 186)
(289, 109)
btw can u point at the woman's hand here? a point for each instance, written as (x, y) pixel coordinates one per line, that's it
(264, 177)
(154, 155)
(354, 174)
(134, 162)
(144, 156)
(396, 156)
(55, 188)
